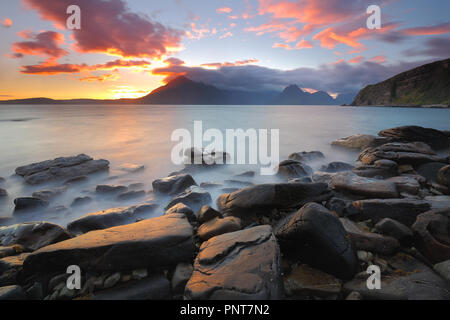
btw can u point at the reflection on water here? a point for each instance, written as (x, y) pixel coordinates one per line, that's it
(141, 135)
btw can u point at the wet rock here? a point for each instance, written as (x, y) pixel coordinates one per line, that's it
(33, 235)
(305, 281)
(35, 292)
(130, 195)
(432, 234)
(360, 141)
(110, 218)
(371, 171)
(313, 235)
(112, 280)
(76, 180)
(139, 274)
(12, 293)
(406, 168)
(348, 182)
(174, 184)
(301, 180)
(195, 156)
(443, 176)
(27, 204)
(306, 157)
(10, 250)
(339, 206)
(218, 226)
(239, 265)
(210, 185)
(395, 229)
(10, 267)
(183, 209)
(322, 177)
(131, 167)
(181, 276)
(402, 210)
(207, 213)
(443, 269)
(262, 199)
(430, 170)
(81, 201)
(108, 189)
(61, 168)
(290, 169)
(247, 174)
(194, 197)
(433, 137)
(3, 193)
(238, 183)
(368, 241)
(405, 183)
(57, 281)
(438, 202)
(334, 167)
(136, 186)
(155, 242)
(364, 256)
(49, 194)
(354, 296)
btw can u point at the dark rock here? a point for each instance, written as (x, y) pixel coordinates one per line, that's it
(291, 169)
(156, 242)
(10, 250)
(334, 167)
(210, 185)
(218, 226)
(301, 180)
(195, 156)
(130, 195)
(183, 209)
(3, 193)
(12, 293)
(402, 210)
(354, 295)
(434, 138)
(81, 201)
(10, 267)
(238, 183)
(443, 176)
(432, 234)
(194, 197)
(371, 171)
(75, 180)
(239, 265)
(26, 204)
(131, 167)
(360, 141)
(35, 292)
(348, 182)
(110, 218)
(33, 235)
(322, 177)
(61, 168)
(247, 174)
(229, 190)
(443, 269)
(108, 189)
(207, 213)
(368, 241)
(305, 156)
(262, 199)
(430, 170)
(181, 276)
(49, 194)
(136, 186)
(313, 235)
(406, 183)
(395, 229)
(438, 202)
(173, 184)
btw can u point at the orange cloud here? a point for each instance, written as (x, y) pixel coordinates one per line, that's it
(230, 64)
(378, 59)
(224, 10)
(429, 30)
(303, 44)
(357, 59)
(7, 23)
(113, 76)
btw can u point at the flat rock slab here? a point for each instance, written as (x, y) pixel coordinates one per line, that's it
(194, 197)
(155, 242)
(12, 293)
(360, 141)
(32, 235)
(239, 265)
(174, 184)
(433, 137)
(218, 226)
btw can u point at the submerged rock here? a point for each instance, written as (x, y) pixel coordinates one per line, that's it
(239, 265)
(334, 167)
(173, 184)
(305, 156)
(130, 195)
(360, 141)
(50, 194)
(81, 201)
(27, 204)
(291, 169)
(433, 137)
(109, 189)
(131, 167)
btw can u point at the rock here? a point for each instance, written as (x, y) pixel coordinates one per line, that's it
(57, 281)
(109, 218)
(218, 226)
(174, 184)
(364, 256)
(12, 293)
(369, 241)
(239, 265)
(290, 169)
(112, 280)
(35, 292)
(108, 189)
(360, 141)
(371, 171)
(301, 180)
(130, 195)
(438, 202)
(139, 274)
(262, 199)
(432, 236)
(415, 154)
(405, 183)
(155, 287)
(395, 229)
(238, 183)
(61, 168)
(10, 267)
(306, 157)
(194, 197)
(205, 158)
(3, 193)
(27, 204)
(410, 280)
(207, 213)
(339, 206)
(383, 163)
(210, 185)
(402, 210)
(405, 168)
(322, 177)
(348, 182)
(334, 167)
(32, 235)
(305, 281)
(443, 176)
(136, 186)
(131, 167)
(181, 276)
(75, 180)
(81, 201)
(247, 174)
(50, 194)
(183, 209)
(66, 294)
(10, 250)
(354, 296)
(430, 170)
(313, 235)
(434, 138)
(443, 269)
(155, 242)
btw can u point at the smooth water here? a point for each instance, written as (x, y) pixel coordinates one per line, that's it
(142, 135)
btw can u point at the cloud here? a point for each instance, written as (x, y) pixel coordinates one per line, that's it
(378, 59)
(435, 47)
(302, 44)
(46, 43)
(230, 64)
(7, 23)
(428, 30)
(224, 10)
(113, 76)
(110, 27)
(226, 35)
(357, 59)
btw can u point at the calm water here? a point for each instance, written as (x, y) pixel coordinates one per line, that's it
(141, 135)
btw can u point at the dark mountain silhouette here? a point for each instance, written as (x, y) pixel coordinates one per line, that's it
(293, 95)
(345, 98)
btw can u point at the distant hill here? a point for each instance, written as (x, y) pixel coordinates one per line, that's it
(293, 95)
(424, 85)
(345, 98)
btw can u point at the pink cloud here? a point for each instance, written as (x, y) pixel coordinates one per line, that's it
(46, 43)
(428, 30)
(378, 59)
(7, 23)
(224, 10)
(357, 59)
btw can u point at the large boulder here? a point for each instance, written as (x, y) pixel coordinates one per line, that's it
(61, 168)
(380, 168)
(435, 138)
(291, 169)
(10, 268)
(306, 156)
(262, 199)
(156, 242)
(443, 176)
(349, 182)
(360, 141)
(336, 166)
(395, 229)
(313, 235)
(173, 184)
(218, 226)
(406, 183)
(239, 265)
(32, 235)
(194, 197)
(12, 293)
(183, 209)
(402, 210)
(110, 218)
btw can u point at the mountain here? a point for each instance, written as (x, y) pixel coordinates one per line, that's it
(293, 95)
(424, 85)
(345, 98)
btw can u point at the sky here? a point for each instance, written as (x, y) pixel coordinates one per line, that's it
(127, 48)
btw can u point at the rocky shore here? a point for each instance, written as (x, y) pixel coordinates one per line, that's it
(312, 235)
